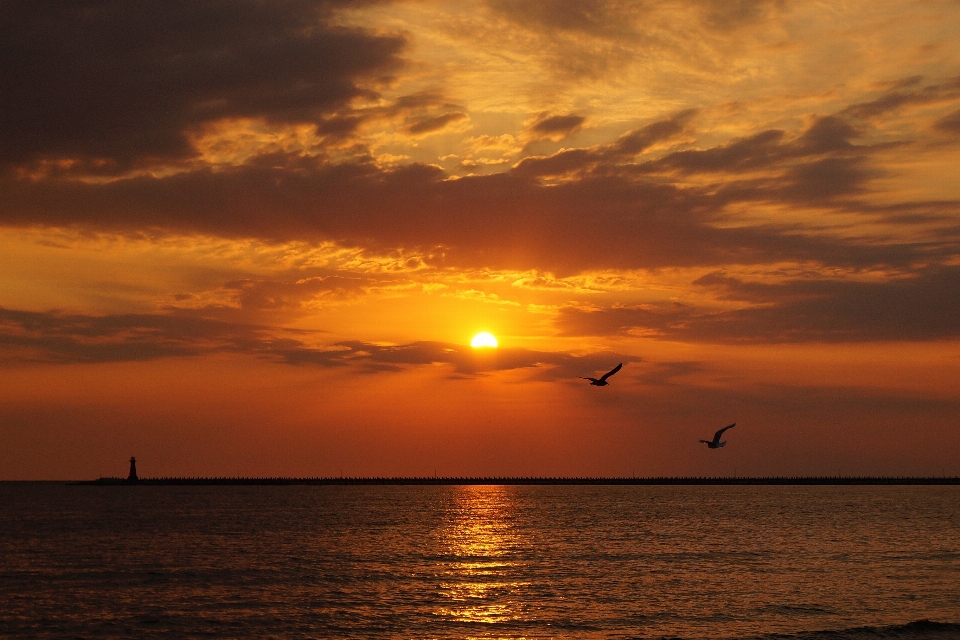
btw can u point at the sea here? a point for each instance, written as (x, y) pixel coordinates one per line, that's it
(687, 562)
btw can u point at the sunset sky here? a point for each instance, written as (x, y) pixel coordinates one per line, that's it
(257, 238)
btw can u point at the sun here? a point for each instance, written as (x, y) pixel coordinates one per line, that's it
(482, 340)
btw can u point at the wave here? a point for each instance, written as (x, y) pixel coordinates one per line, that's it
(916, 630)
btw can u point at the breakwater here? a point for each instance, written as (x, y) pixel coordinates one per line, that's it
(499, 480)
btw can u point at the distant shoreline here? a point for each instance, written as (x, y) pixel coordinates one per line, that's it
(525, 481)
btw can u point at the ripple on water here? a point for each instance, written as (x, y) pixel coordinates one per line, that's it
(478, 561)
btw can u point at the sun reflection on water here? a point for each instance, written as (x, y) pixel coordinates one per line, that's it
(482, 549)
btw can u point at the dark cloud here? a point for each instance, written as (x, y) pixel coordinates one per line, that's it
(586, 16)
(834, 182)
(917, 212)
(663, 373)
(623, 19)
(422, 113)
(821, 163)
(506, 220)
(755, 151)
(826, 134)
(949, 123)
(590, 39)
(72, 338)
(724, 15)
(583, 38)
(634, 142)
(552, 126)
(903, 94)
(924, 307)
(626, 147)
(60, 337)
(290, 296)
(826, 178)
(466, 360)
(113, 83)
(578, 209)
(766, 150)
(430, 124)
(620, 320)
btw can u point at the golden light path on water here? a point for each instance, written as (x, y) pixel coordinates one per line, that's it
(480, 561)
(477, 540)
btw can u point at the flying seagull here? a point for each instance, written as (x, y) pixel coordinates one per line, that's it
(602, 380)
(715, 443)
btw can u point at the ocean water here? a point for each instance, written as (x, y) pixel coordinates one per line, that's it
(823, 563)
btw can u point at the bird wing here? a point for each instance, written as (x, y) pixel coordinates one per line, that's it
(716, 436)
(590, 379)
(612, 371)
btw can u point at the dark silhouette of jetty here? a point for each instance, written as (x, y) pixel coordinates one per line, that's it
(132, 479)
(504, 480)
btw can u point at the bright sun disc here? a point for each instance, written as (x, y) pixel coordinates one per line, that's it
(483, 340)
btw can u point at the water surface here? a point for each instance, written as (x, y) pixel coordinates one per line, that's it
(478, 561)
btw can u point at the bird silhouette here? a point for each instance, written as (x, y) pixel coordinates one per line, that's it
(602, 380)
(715, 443)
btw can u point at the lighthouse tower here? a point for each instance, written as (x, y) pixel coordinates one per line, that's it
(133, 470)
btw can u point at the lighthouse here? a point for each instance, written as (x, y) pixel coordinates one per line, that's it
(133, 470)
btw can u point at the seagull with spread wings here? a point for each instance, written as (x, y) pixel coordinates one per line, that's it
(602, 380)
(715, 443)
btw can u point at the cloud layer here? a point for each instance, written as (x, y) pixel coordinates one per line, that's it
(304, 208)
(924, 307)
(572, 211)
(112, 85)
(69, 338)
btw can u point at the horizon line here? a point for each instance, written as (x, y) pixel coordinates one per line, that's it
(528, 480)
